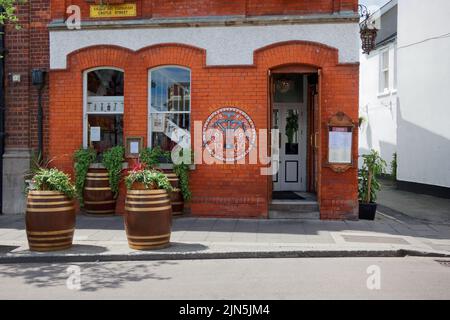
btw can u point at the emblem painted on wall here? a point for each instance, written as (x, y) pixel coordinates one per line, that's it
(229, 134)
(113, 11)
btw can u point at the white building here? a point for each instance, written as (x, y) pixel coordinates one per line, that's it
(405, 93)
(378, 88)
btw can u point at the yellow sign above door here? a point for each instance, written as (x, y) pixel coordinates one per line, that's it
(113, 11)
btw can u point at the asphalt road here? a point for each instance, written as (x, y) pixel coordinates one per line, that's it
(338, 278)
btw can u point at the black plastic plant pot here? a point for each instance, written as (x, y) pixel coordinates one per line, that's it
(367, 211)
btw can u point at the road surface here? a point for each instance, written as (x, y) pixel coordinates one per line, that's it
(338, 278)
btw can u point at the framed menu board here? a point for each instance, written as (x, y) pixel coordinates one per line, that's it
(340, 145)
(340, 142)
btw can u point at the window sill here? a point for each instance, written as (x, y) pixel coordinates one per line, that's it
(101, 166)
(384, 94)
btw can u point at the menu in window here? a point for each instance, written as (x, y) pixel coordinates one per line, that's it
(340, 145)
(95, 134)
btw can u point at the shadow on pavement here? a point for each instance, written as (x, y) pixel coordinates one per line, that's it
(94, 276)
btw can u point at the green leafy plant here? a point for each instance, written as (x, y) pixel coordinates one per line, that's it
(369, 185)
(52, 180)
(8, 14)
(394, 167)
(182, 171)
(361, 120)
(150, 178)
(291, 126)
(151, 157)
(112, 161)
(37, 162)
(83, 159)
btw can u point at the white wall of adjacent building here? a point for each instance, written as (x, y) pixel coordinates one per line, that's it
(423, 135)
(378, 102)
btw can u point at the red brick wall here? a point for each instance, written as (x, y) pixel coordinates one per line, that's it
(193, 8)
(27, 48)
(218, 190)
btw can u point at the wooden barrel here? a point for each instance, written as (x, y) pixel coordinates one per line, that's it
(177, 201)
(173, 179)
(148, 219)
(50, 221)
(176, 196)
(98, 197)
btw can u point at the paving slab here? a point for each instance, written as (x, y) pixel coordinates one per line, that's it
(206, 238)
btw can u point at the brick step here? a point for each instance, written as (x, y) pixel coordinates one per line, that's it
(284, 209)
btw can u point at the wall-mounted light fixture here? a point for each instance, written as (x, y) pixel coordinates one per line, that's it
(367, 31)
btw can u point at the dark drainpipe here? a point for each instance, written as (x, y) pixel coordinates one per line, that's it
(2, 108)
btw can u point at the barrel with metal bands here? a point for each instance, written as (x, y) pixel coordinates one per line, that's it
(50, 221)
(98, 197)
(148, 219)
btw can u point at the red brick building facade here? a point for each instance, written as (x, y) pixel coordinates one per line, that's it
(238, 53)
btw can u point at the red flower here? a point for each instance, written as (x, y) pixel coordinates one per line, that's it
(138, 166)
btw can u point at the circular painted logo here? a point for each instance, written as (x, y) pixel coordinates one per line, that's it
(229, 134)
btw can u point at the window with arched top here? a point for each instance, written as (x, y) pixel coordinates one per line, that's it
(169, 107)
(104, 106)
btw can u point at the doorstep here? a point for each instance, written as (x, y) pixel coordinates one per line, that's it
(294, 209)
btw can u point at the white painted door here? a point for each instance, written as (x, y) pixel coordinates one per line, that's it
(291, 174)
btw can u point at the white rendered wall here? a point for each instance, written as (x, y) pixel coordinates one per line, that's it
(424, 92)
(224, 45)
(379, 129)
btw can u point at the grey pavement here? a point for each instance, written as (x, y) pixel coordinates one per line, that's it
(194, 238)
(247, 279)
(412, 206)
(406, 224)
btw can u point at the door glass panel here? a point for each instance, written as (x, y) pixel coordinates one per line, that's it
(288, 88)
(291, 131)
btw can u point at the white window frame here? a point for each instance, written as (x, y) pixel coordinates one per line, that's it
(85, 100)
(149, 102)
(382, 73)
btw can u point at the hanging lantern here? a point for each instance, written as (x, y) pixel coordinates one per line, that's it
(368, 37)
(367, 31)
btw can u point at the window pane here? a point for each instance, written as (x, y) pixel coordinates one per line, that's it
(386, 80)
(167, 128)
(385, 60)
(288, 88)
(105, 105)
(111, 131)
(170, 89)
(105, 82)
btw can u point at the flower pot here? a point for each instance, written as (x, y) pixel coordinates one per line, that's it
(50, 221)
(98, 197)
(367, 211)
(148, 219)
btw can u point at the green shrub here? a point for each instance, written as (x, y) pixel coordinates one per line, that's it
(151, 179)
(394, 167)
(151, 157)
(52, 180)
(369, 185)
(83, 159)
(112, 161)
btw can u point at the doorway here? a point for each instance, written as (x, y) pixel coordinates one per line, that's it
(294, 112)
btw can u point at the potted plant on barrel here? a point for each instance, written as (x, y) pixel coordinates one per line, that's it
(178, 176)
(50, 214)
(98, 183)
(148, 211)
(369, 185)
